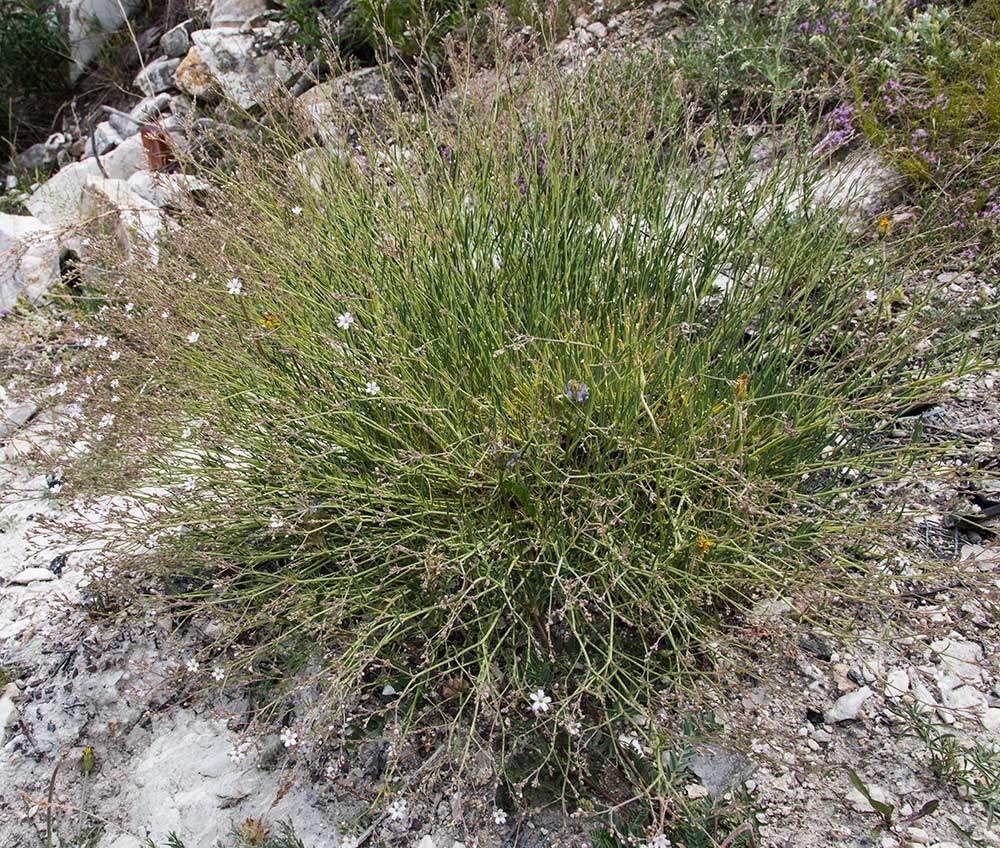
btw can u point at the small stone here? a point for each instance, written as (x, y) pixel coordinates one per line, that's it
(695, 791)
(859, 802)
(771, 608)
(847, 707)
(15, 417)
(990, 719)
(176, 42)
(897, 682)
(194, 77)
(157, 76)
(102, 139)
(32, 575)
(720, 770)
(960, 657)
(816, 646)
(597, 29)
(427, 842)
(918, 835)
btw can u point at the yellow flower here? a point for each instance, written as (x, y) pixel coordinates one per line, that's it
(883, 225)
(87, 760)
(704, 543)
(740, 384)
(270, 321)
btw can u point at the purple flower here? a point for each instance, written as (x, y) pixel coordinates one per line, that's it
(576, 391)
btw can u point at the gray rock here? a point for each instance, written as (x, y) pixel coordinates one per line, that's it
(235, 13)
(86, 25)
(177, 41)
(7, 708)
(103, 139)
(29, 261)
(32, 575)
(37, 158)
(240, 63)
(145, 110)
(137, 223)
(349, 92)
(157, 76)
(848, 707)
(57, 202)
(720, 770)
(961, 657)
(166, 190)
(14, 418)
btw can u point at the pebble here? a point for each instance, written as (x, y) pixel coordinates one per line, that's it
(32, 575)
(848, 706)
(897, 682)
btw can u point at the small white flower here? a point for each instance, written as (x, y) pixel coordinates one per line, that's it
(61, 388)
(115, 355)
(129, 307)
(573, 727)
(191, 665)
(239, 753)
(164, 314)
(397, 810)
(189, 484)
(218, 673)
(57, 369)
(101, 341)
(344, 321)
(106, 421)
(348, 841)
(296, 210)
(275, 523)
(289, 738)
(115, 398)
(658, 841)
(540, 702)
(115, 383)
(372, 388)
(192, 337)
(500, 817)
(234, 286)
(186, 433)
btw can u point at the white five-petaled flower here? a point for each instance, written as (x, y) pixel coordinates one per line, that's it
(106, 421)
(191, 665)
(296, 210)
(573, 727)
(101, 341)
(61, 388)
(289, 738)
(192, 337)
(218, 673)
(658, 841)
(372, 388)
(275, 523)
(129, 307)
(186, 433)
(540, 702)
(115, 355)
(57, 369)
(344, 321)
(234, 286)
(499, 816)
(397, 810)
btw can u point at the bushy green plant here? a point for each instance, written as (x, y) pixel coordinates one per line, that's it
(31, 61)
(507, 418)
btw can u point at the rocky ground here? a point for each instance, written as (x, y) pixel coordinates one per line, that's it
(818, 736)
